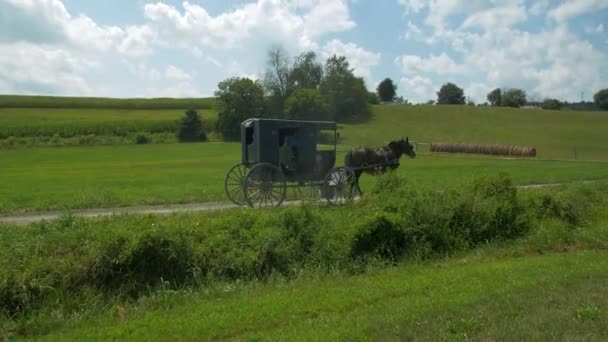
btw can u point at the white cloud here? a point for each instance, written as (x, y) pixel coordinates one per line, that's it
(173, 73)
(440, 65)
(417, 89)
(414, 6)
(573, 8)
(599, 28)
(143, 71)
(494, 53)
(49, 22)
(413, 31)
(539, 7)
(359, 59)
(31, 69)
(262, 21)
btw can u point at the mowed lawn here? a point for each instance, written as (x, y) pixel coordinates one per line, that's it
(106, 176)
(555, 134)
(550, 297)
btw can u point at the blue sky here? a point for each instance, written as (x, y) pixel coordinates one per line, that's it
(138, 48)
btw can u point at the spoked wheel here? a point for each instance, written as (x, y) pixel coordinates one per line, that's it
(265, 186)
(340, 186)
(309, 192)
(233, 184)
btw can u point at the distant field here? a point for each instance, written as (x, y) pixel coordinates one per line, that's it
(24, 122)
(555, 134)
(18, 101)
(104, 176)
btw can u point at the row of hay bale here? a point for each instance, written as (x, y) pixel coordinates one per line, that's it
(499, 150)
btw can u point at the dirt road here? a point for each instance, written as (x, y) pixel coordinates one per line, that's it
(25, 219)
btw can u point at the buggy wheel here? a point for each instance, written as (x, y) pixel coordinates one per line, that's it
(265, 186)
(309, 192)
(340, 185)
(233, 184)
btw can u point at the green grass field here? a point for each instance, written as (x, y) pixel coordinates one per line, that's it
(106, 176)
(549, 297)
(555, 134)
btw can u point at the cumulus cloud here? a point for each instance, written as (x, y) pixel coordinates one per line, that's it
(573, 8)
(49, 22)
(300, 22)
(418, 89)
(174, 73)
(26, 68)
(359, 59)
(441, 64)
(551, 62)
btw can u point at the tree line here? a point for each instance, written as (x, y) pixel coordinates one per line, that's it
(298, 89)
(450, 93)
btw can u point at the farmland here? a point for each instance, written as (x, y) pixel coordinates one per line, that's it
(107, 176)
(442, 249)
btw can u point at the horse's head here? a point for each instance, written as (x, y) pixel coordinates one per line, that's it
(403, 146)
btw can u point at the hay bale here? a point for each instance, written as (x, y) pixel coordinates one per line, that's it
(489, 149)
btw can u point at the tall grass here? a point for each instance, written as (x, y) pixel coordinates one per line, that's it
(65, 265)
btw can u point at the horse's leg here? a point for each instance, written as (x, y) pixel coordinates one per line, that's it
(355, 185)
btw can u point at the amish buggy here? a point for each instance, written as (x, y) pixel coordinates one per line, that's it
(277, 155)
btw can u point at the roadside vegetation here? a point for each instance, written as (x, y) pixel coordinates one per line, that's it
(73, 269)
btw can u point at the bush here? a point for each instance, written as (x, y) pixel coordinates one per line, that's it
(141, 139)
(191, 127)
(551, 104)
(64, 265)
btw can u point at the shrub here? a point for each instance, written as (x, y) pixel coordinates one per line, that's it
(191, 127)
(141, 139)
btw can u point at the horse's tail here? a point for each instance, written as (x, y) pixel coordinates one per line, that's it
(348, 158)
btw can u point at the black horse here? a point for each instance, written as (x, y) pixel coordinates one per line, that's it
(377, 160)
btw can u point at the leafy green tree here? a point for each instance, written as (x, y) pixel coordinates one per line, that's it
(387, 90)
(345, 93)
(191, 127)
(306, 71)
(238, 99)
(277, 78)
(551, 104)
(513, 98)
(495, 97)
(450, 94)
(306, 104)
(601, 99)
(372, 98)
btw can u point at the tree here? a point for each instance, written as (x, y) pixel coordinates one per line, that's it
(345, 93)
(306, 104)
(191, 127)
(238, 99)
(387, 90)
(430, 102)
(276, 79)
(306, 71)
(495, 97)
(513, 98)
(372, 98)
(471, 103)
(551, 104)
(450, 94)
(601, 99)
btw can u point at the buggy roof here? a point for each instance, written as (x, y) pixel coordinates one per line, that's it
(281, 123)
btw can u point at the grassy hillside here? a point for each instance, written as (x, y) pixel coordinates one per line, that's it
(24, 101)
(555, 134)
(549, 297)
(102, 176)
